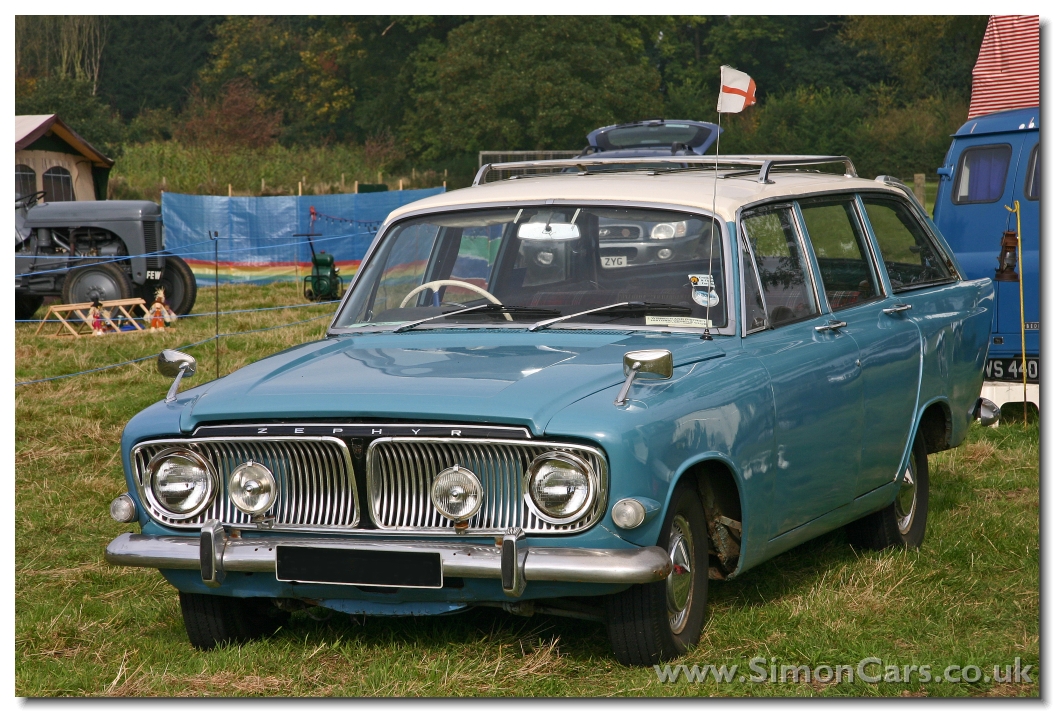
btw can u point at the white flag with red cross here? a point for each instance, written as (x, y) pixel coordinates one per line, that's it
(737, 91)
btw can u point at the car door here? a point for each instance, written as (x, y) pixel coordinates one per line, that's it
(813, 376)
(918, 278)
(887, 339)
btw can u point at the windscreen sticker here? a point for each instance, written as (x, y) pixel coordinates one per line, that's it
(678, 321)
(703, 292)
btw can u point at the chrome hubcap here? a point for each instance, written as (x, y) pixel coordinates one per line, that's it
(904, 505)
(679, 583)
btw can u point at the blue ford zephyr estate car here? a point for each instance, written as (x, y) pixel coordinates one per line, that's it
(585, 393)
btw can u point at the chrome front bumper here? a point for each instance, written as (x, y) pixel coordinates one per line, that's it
(513, 562)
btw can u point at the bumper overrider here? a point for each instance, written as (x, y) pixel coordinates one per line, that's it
(509, 559)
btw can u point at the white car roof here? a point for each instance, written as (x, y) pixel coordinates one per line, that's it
(691, 189)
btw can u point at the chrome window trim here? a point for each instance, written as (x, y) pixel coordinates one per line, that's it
(600, 499)
(741, 230)
(221, 481)
(382, 233)
(822, 307)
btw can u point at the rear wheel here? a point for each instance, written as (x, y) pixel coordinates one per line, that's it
(902, 523)
(213, 620)
(104, 281)
(181, 287)
(26, 304)
(655, 622)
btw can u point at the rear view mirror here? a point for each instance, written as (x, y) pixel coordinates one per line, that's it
(548, 231)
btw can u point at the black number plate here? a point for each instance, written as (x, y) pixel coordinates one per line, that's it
(1009, 369)
(361, 567)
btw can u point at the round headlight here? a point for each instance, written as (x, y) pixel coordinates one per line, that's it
(457, 493)
(182, 482)
(628, 513)
(560, 487)
(252, 488)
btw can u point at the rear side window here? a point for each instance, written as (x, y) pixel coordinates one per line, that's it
(841, 251)
(785, 286)
(982, 174)
(909, 254)
(1032, 184)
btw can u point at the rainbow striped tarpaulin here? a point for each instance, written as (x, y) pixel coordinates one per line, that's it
(261, 239)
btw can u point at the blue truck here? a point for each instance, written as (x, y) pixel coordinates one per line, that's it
(993, 161)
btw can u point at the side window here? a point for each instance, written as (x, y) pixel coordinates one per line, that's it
(58, 184)
(841, 251)
(752, 302)
(982, 174)
(1032, 183)
(911, 258)
(25, 181)
(785, 285)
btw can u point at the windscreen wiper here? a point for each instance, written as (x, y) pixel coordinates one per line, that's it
(479, 309)
(621, 309)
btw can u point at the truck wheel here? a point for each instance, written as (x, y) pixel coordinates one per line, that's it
(181, 287)
(654, 622)
(26, 305)
(902, 523)
(103, 281)
(213, 620)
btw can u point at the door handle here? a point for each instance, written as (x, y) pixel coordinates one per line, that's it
(897, 308)
(832, 325)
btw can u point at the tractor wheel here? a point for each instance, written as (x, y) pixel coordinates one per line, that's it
(104, 281)
(181, 287)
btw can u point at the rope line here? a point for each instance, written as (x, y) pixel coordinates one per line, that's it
(172, 251)
(187, 346)
(194, 316)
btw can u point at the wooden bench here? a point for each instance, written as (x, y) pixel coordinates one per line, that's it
(73, 319)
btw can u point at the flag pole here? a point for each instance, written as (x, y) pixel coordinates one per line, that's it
(713, 227)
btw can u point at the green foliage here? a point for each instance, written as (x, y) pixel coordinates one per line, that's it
(146, 169)
(149, 62)
(73, 101)
(880, 137)
(504, 83)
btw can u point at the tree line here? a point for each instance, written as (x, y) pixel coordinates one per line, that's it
(434, 90)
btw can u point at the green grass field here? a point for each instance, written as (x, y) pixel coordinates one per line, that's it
(970, 596)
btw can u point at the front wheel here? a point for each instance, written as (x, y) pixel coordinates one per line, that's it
(902, 523)
(213, 620)
(104, 281)
(654, 622)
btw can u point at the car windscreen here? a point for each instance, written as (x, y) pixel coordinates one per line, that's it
(652, 136)
(543, 262)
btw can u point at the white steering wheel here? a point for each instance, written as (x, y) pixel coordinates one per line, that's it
(451, 283)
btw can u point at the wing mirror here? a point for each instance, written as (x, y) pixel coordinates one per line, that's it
(175, 364)
(548, 231)
(654, 364)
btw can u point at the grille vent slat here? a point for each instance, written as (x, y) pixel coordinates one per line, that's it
(400, 473)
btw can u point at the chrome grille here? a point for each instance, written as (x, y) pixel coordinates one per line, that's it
(316, 481)
(400, 471)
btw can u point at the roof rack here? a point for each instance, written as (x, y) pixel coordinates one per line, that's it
(763, 163)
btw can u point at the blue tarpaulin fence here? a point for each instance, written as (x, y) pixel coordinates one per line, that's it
(259, 238)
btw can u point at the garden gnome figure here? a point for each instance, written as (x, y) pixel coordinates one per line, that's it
(158, 312)
(95, 315)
